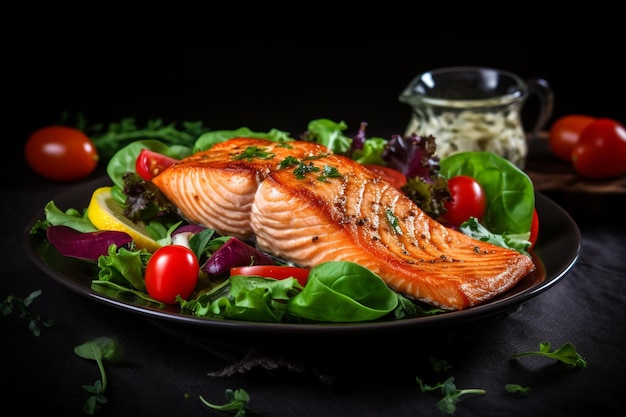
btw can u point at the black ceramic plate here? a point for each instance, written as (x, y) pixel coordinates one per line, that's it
(556, 252)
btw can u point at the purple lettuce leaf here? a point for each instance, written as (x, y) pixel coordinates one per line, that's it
(234, 253)
(89, 246)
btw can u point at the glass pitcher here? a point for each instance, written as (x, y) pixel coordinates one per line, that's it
(475, 109)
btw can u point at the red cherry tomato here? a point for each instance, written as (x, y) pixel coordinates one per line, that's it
(61, 153)
(149, 164)
(395, 177)
(171, 270)
(467, 200)
(565, 132)
(534, 229)
(601, 150)
(273, 271)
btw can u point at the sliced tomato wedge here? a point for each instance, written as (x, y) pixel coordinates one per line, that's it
(272, 271)
(149, 164)
(395, 177)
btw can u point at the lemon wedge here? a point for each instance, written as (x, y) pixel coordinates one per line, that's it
(106, 214)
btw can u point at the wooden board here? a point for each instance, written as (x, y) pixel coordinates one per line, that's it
(550, 173)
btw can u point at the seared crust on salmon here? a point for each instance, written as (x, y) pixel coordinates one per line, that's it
(307, 205)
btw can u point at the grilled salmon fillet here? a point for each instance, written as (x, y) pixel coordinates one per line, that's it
(216, 188)
(307, 205)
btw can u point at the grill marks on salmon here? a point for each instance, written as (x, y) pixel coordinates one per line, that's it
(354, 217)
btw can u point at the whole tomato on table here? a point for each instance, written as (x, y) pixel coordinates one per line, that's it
(600, 151)
(565, 132)
(61, 153)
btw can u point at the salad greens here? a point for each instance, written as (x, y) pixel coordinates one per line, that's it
(71, 217)
(358, 294)
(124, 267)
(330, 134)
(335, 292)
(476, 230)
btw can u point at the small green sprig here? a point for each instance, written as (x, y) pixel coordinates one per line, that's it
(451, 394)
(566, 353)
(237, 401)
(99, 350)
(517, 389)
(35, 321)
(440, 365)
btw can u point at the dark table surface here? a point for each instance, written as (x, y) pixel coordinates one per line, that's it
(166, 369)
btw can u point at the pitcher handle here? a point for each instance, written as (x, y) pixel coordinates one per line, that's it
(542, 89)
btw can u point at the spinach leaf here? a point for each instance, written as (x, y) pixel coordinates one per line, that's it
(343, 292)
(509, 190)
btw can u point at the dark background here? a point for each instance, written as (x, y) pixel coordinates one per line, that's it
(283, 80)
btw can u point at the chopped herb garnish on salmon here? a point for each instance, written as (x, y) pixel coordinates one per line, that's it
(290, 161)
(393, 221)
(302, 169)
(329, 172)
(252, 152)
